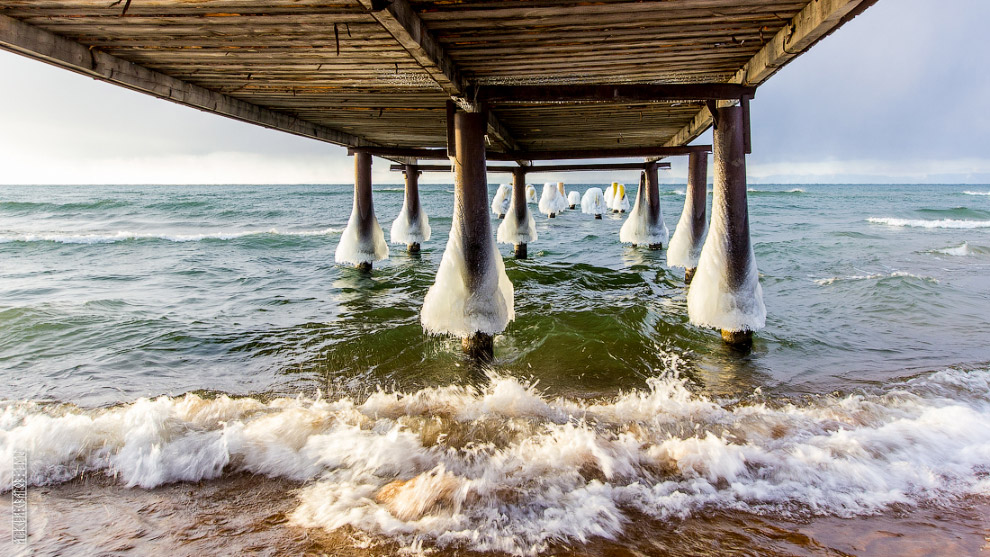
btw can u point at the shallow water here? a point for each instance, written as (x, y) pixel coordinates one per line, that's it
(607, 425)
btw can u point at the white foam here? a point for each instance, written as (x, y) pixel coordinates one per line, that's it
(515, 231)
(961, 250)
(500, 203)
(977, 192)
(555, 470)
(712, 300)
(355, 250)
(450, 307)
(875, 276)
(685, 248)
(574, 198)
(408, 230)
(125, 235)
(922, 223)
(593, 202)
(552, 201)
(637, 229)
(679, 192)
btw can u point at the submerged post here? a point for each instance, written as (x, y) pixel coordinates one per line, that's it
(725, 293)
(472, 296)
(518, 228)
(685, 247)
(363, 241)
(412, 226)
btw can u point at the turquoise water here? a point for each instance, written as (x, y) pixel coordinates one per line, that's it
(877, 299)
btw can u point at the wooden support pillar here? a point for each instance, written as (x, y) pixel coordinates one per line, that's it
(685, 247)
(412, 201)
(472, 296)
(519, 207)
(654, 216)
(363, 241)
(725, 293)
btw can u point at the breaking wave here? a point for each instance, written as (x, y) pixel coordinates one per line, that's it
(876, 276)
(506, 468)
(123, 236)
(920, 223)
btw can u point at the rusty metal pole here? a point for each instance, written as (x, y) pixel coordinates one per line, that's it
(653, 200)
(363, 202)
(729, 147)
(471, 214)
(519, 206)
(412, 201)
(696, 198)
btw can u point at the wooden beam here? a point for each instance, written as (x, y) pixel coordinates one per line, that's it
(627, 152)
(558, 94)
(400, 19)
(546, 168)
(813, 23)
(32, 42)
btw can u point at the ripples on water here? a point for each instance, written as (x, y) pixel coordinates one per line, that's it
(608, 411)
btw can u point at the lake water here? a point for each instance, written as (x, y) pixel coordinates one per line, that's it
(189, 371)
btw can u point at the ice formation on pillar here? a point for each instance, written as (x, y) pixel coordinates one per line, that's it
(638, 229)
(409, 229)
(450, 307)
(515, 231)
(573, 199)
(685, 248)
(620, 201)
(610, 194)
(551, 202)
(530, 194)
(500, 203)
(713, 301)
(593, 202)
(355, 248)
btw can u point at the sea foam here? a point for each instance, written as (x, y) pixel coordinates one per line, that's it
(922, 223)
(111, 237)
(409, 466)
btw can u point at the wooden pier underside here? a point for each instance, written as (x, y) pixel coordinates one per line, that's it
(379, 73)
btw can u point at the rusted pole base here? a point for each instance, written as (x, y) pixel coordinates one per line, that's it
(552, 215)
(615, 210)
(738, 339)
(363, 266)
(520, 250)
(656, 247)
(413, 247)
(689, 274)
(634, 245)
(572, 207)
(501, 216)
(598, 217)
(479, 346)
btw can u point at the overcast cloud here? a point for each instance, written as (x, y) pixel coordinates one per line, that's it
(897, 95)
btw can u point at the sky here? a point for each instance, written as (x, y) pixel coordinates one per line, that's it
(895, 96)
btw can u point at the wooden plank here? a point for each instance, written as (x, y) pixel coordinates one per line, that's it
(32, 42)
(545, 168)
(817, 20)
(629, 152)
(507, 94)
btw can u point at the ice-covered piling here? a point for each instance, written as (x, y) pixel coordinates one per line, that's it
(551, 202)
(725, 293)
(593, 203)
(573, 199)
(619, 202)
(472, 297)
(689, 236)
(412, 226)
(645, 223)
(363, 241)
(500, 203)
(518, 228)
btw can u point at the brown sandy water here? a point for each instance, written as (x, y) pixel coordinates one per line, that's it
(248, 514)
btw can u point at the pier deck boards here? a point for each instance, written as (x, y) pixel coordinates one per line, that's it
(380, 73)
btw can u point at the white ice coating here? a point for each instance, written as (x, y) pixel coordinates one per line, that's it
(514, 231)
(552, 470)
(574, 198)
(619, 201)
(353, 250)
(593, 202)
(406, 232)
(712, 302)
(500, 203)
(451, 308)
(531, 194)
(685, 249)
(551, 201)
(637, 228)
(610, 192)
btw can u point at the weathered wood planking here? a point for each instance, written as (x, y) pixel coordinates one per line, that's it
(364, 72)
